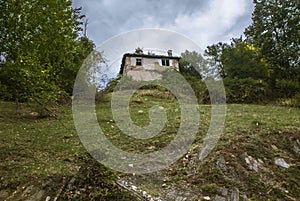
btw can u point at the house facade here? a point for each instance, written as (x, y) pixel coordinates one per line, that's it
(148, 67)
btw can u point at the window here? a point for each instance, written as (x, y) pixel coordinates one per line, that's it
(138, 61)
(165, 62)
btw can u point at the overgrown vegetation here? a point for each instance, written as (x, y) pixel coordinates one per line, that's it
(45, 155)
(48, 150)
(268, 57)
(41, 50)
(260, 131)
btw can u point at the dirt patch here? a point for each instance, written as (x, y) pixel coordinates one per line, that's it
(36, 189)
(241, 167)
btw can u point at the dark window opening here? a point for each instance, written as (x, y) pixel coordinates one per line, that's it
(165, 62)
(138, 62)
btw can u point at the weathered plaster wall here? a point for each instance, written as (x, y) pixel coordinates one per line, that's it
(149, 70)
(144, 75)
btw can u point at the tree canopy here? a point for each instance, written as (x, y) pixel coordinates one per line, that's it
(265, 65)
(41, 48)
(276, 31)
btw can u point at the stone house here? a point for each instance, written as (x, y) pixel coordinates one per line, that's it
(148, 67)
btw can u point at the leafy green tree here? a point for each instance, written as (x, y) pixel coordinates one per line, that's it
(268, 58)
(244, 70)
(195, 69)
(242, 60)
(213, 54)
(276, 31)
(192, 63)
(239, 59)
(40, 47)
(83, 47)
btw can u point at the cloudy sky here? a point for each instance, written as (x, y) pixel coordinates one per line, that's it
(203, 21)
(113, 24)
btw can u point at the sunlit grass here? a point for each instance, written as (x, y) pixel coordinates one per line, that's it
(32, 147)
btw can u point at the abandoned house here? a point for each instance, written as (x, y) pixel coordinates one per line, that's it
(148, 67)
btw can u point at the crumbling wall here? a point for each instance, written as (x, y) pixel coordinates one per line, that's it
(144, 75)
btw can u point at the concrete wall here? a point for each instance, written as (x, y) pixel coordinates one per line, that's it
(148, 70)
(144, 75)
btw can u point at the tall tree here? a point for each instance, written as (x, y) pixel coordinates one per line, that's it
(40, 47)
(213, 54)
(192, 63)
(276, 31)
(242, 60)
(239, 59)
(244, 70)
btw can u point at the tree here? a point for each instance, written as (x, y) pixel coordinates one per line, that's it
(239, 59)
(244, 70)
(193, 64)
(41, 47)
(213, 54)
(138, 50)
(195, 69)
(276, 31)
(242, 60)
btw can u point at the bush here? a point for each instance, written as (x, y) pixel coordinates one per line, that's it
(101, 96)
(199, 87)
(247, 90)
(296, 100)
(111, 85)
(286, 88)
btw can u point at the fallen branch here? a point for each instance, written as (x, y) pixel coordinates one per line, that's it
(131, 191)
(51, 113)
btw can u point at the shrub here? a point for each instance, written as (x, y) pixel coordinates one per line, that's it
(247, 90)
(296, 100)
(199, 87)
(286, 88)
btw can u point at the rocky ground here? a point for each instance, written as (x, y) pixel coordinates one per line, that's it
(259, 165)
(256, 158)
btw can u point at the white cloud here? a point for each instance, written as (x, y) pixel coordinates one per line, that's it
(205, 22)
(213, 24)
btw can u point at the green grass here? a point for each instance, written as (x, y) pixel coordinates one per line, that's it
(240, 116)
(47, 153)
(140, 103)
(249, 128)
(33, 148)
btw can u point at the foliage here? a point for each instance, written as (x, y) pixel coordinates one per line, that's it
(296, 100)
(286, 88)
(83, 48)
(269, 55)
(276, 31)
(239, 60)
(242, 60)
(192, 63)
(196, 69)
(40, 49)
(139, 50)
(246, 90)
(199, 87)
(245, 71)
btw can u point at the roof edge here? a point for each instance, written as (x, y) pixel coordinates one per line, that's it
(150, 56)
